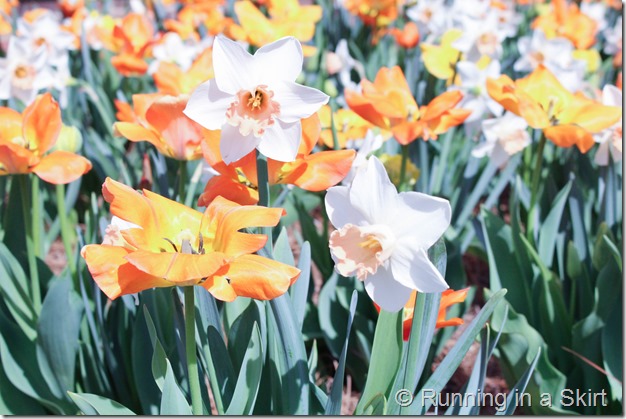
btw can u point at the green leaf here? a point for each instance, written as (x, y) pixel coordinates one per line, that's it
(14, 402)
(57, 335)
(550, 226)
(240, 332)
(289, 357)
(333, 405)
(92, 404)
(143, 378)
(299, 291)
(173, 400)
(385, 360)
(282, 249)
(450, 363)
(249, 377)
(519, 388)
(377, 406)
(14, 290)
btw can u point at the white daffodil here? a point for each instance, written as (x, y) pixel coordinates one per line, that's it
(475, 94)
(504, 137)
(431, 17)
(610, 139)
(254, 99)
(341, 63)
(613, 38)
(481, 36)
(171, 48)
(383, 236)
(367, 146)
(23, 72)
(555, 54)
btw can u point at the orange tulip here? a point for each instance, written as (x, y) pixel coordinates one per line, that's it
(172, 80)
(566, 119)
(448, 298)
(407, 37)
(313, 172)
(569, 22)
(389, 104)
(375, 13)
(135, 35)
(25, 138)
(170, 244)
(159, 120)
(287, 18)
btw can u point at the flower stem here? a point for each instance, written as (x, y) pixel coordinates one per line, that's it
(536, 177)
(403, 164)
(190, 351)
(264, 193)
(66, 233)
(31, 238)
(182, 179)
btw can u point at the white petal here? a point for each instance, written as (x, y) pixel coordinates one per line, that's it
(279, 61)
(414, 270)
(373, 193)
(297, 101)
(339, 209)
(419, 220)
(611, 96)
(232, 65)
(208, 104)
(388, 293)
(234, 146)
(281, 141)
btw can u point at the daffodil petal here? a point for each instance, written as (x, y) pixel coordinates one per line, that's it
(297, 101)
(288, 52)
(412, 268)
(373, 193)
(339, 208)
(427, 216)
(281, 141)
(208, 104)
(233, 66)
(385, 291)
(234, 145)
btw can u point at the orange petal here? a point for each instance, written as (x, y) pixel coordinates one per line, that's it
(569, 135)
(442, 103)
(260, 278)
(228, 188)
(179, 268)
(15, 159)
(322, 170)
(10, 124)
(113, 274)
(136, 133)
(42, 123)
(61, 167)
(407, 132)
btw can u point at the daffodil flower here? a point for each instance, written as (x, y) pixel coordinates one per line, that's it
(610, 139)
(254, 99)
(505, 136)
(382, 236)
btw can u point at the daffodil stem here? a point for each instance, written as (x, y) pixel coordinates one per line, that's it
(31, 243)
(264, 193)
(536, 177)
(182, 180)
(66, 233)
(403, 164)
(190, 351)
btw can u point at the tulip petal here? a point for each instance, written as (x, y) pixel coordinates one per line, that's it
(257, 277)
(61, 167)
(15, 159)
(228, 188)
(179, 268)
(569, 135)
(42, 123)
(322, 170)
(114, 275)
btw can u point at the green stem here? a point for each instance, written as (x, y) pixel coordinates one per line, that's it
(403, 164)
(66, 233)
(536, 177)
(36, 223)
(31, 249)
(190, 351)
(264, 194)
(182, 179)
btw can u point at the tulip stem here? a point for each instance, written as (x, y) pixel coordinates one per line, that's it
(536, 177)
(65, 231)
(182, 179)
(31, 236)
(403, 164)
(190, 351)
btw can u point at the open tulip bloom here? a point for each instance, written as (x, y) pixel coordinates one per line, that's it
(383, 236)
(254, 99)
